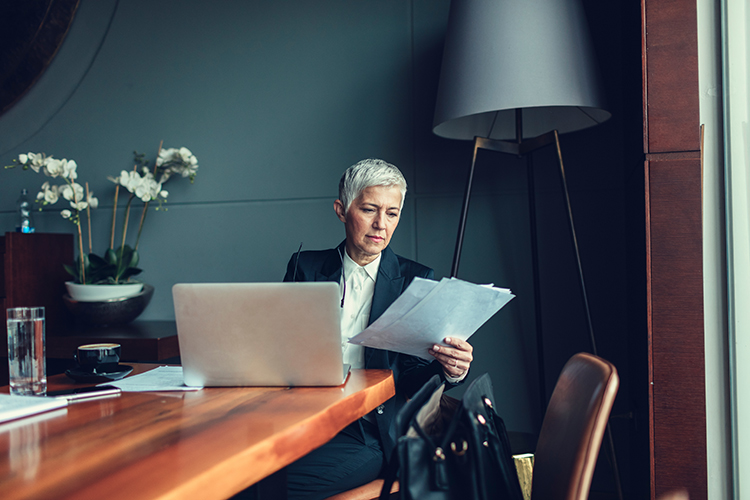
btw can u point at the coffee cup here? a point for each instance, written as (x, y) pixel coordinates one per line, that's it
(98, 358)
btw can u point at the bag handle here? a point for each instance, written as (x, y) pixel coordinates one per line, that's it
(391, 472)
(409, 410)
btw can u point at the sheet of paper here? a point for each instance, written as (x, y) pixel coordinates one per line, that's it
(429, 311)
(163, 378)
(13, 407)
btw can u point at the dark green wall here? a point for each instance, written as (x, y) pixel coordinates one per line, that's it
(277, 98)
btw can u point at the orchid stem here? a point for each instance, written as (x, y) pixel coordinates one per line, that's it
(80, 235)
(145, 205)
(114, 219)
(124, 234)
(80, 251)
(125, 224)
(88, 213)
(140, 226)
(161, 143)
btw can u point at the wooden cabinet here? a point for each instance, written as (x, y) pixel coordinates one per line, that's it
(33, 275)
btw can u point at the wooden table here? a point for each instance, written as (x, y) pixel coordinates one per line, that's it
(208, 444)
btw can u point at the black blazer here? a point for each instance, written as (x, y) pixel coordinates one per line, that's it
(395, 274)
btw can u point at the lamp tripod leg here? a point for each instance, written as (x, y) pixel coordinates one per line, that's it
(464, 213)
(609, 440)
(537, 290)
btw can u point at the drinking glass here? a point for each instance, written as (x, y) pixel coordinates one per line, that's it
(26, 351)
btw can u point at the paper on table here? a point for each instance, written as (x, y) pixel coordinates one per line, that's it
(163, 378)
(429, 311)
(12, 407)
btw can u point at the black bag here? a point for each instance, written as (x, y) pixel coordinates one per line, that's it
(463, 456)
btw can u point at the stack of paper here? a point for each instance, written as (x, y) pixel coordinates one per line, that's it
(13, 407)
(161, 379)
(428, 311)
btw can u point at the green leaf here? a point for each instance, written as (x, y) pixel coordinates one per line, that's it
(96, 260)
(100, 274)
(134, 259)
(131, 271)
(111, 257)
(73, 271)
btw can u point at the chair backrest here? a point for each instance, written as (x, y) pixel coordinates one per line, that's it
(573, 428)
(675, 495)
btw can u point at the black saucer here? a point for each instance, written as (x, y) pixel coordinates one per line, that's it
(80, 375)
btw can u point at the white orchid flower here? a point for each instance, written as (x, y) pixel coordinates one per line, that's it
(69, 169)
(92, 200)
(130, 180)
(53, 167)
(124, 178)
(51, 195)
(31, 160)
(165, 156)
(72, 192)
(177, 161)
(66, 214)
(48, 194)
(143, 193)
(149, 189)
(146, 188)
(136, 180)
(81, 205)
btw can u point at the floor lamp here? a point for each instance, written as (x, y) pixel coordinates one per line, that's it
(516, 74)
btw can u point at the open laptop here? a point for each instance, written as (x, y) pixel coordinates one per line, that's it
(259, 334)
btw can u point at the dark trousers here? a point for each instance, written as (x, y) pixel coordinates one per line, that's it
(352, 458)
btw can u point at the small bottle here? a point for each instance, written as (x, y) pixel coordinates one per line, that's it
(25, 220)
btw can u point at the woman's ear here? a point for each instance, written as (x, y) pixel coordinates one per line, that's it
(338, 207)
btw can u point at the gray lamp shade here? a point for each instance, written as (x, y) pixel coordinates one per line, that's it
(503, 55)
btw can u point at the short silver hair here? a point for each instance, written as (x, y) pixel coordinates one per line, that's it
(368, 173)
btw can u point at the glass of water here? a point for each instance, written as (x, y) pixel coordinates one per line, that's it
(26, 351)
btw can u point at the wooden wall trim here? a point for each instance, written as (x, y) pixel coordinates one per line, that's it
(676, 340)
(670, 58)
(671, 144)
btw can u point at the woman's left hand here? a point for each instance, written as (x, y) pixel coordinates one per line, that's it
(456, 357)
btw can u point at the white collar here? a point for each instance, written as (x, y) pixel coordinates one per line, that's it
(371, 269)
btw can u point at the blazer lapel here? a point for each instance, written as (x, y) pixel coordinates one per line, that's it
(388, 285)
(331, 268)
(387, 289)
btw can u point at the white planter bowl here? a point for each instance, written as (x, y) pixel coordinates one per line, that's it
(99, 293)
(110, 312)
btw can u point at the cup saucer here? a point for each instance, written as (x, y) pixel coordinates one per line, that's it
(80, 375)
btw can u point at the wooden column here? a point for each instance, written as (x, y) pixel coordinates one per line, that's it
(671, 142)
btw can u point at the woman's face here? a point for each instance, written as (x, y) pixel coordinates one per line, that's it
(370, 221)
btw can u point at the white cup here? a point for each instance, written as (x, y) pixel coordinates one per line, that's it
(26, 351)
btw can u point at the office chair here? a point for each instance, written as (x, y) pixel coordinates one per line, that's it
(571, 434)
(675, 495)
(369, 491)
(573, 429)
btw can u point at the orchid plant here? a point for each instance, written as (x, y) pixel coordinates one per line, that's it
(118, 264)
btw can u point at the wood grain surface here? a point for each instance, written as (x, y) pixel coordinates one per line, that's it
(207, 444)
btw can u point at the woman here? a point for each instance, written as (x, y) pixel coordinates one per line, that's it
(371, 196)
